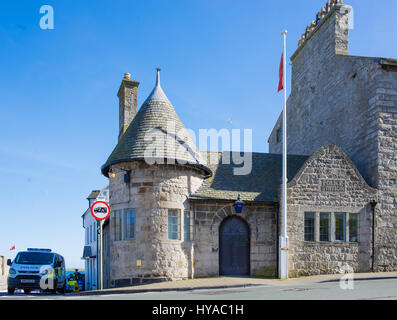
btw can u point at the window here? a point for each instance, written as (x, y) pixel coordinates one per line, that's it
(309, 226)
(340, 226)
(353, 227)
(94, 230)
(117, 226)
(324, 226)
(278, 135)
(34, 258)
(188, 225)
(129, 224)
(90, 231)
(174, 224)
(56, 262)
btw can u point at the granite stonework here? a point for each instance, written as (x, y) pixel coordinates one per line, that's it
(3, 273)
(128, 100)
(385, 104)
(152, 190)
(350, 102)
(346, 191)
(106, 254)
(261, 220)
(342, 141)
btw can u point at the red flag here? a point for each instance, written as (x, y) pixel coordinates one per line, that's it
(281, 74)
(12, 248)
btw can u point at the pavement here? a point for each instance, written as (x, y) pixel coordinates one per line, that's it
(233, 282)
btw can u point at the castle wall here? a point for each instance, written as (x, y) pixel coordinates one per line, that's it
(261, 220)
(384, 106)
(329, 97)
(151, 191)
(331, 106)
(350, 102)
(308, 193)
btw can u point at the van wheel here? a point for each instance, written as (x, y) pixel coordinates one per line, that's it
(54, 291)
(11, 290)
(27, 291)
(63, 289)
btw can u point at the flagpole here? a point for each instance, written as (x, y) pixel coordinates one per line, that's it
(283, 243)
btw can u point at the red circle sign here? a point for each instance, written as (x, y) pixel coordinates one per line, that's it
(100, 210)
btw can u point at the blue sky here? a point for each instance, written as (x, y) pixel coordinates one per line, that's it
(58, 102)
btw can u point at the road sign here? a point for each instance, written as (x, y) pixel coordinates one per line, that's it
(100, 210)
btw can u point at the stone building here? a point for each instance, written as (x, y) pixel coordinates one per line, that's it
(350, 102)
(3, 273)
(91, 254)
(173, 206)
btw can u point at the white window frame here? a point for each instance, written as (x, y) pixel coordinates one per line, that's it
(329, 226)
(358, 227)
(314, 226)
(125, 212)
(118, 213)
(332, 224)
(344, 214)
(179, 213)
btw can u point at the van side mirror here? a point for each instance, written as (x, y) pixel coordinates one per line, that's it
(9, 262)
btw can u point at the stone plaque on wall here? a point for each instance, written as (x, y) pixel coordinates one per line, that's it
(332, 185)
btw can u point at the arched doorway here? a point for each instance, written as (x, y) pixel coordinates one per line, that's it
(234, 247)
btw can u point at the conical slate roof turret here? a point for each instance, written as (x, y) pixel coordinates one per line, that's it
(157, 93)
(157, 135)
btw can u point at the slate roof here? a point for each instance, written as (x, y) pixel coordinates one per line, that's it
(94, 194)
(262, 184)
(157, 128)
(87, 252)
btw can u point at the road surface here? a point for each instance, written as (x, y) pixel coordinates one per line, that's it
(382, 289)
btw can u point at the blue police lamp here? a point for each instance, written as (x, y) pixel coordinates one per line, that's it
(238, 205)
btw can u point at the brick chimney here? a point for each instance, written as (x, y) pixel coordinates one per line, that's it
(128, 100)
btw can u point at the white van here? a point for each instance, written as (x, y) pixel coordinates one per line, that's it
(37, 269)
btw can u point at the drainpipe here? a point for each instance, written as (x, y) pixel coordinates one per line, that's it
(277, 236)
(373, 204)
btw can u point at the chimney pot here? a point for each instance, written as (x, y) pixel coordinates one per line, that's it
(127, 76)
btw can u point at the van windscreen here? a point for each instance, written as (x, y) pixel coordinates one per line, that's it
(34, 258)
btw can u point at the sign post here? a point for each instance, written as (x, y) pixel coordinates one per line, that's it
(100, 210)
(101, 253)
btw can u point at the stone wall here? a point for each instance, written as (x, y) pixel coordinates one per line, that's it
(3, 273)
(128, 100)
(329, 97)
(384, 107)
(263, 238)
(323, 101)
(106, 256)
(151, 191)
(321, 110)
(307, 194)
(350, 102)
